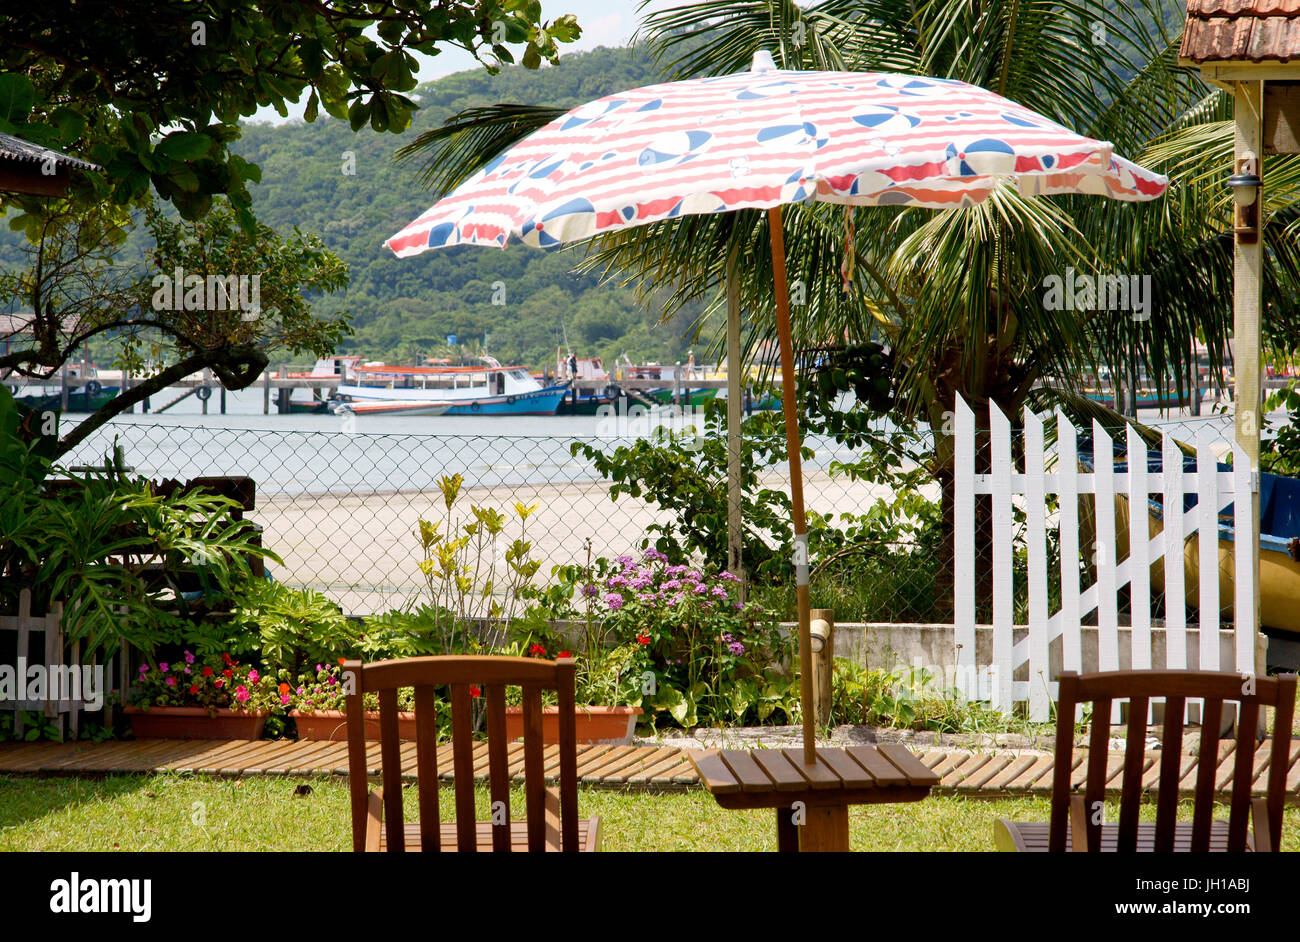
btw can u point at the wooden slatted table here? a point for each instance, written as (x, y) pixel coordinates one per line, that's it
(817, 795)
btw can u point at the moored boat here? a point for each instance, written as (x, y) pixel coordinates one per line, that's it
(326, 367)
(86, 392)
(88, 398)
(487, 389)
(1146, 398)
(582, 397)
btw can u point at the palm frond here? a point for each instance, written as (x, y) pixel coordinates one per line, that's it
(468, 140)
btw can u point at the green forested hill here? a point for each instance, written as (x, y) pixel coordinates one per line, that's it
(346, 187)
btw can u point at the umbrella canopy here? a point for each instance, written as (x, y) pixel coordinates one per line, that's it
(758, 140)
(761, 139)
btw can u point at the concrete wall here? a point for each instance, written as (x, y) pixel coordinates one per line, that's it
(931, 646)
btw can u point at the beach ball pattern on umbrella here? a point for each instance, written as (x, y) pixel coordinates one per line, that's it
(761, 139)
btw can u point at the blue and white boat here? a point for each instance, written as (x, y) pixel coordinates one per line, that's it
(489, 389)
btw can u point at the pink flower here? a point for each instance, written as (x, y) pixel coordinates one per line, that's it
(241, 693)
(163, 667)
(252, 676)
(284, 699)
(171, 681)
(189, 658)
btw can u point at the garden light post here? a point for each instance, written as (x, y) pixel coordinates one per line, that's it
(1260, 75)
(1247, 190)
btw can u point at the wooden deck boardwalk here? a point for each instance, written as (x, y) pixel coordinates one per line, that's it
(986, 775)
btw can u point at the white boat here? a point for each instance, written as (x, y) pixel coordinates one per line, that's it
(385, 407)
(489, 389)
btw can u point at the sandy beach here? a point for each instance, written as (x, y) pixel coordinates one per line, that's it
(361, 549)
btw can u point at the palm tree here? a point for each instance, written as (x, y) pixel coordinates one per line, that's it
(959, 295)
(963, 289)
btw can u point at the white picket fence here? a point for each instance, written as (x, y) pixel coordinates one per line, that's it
(48, 648)
(1028, 487)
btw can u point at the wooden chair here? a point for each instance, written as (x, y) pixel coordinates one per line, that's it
(551, 815)
(1075, 818)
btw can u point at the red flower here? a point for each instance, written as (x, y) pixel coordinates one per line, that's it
(474, 691)
(207, 671)
(643, 640)
(284, 688)
(343, 660)
(565, 654)
(227, 673)
(537, 651)
(194, 688)
(226, 658)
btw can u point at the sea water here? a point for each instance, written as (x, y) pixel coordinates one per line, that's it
(317, 453)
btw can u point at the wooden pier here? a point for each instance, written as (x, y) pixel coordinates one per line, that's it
(277, 388)
(199, 385)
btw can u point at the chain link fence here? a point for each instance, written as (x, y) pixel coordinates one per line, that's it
(341, 508)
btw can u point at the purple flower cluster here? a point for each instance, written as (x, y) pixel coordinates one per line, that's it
(651, 581)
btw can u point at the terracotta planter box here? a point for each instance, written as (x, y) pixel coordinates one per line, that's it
(194, 723)
(595, 724)
(332, 725)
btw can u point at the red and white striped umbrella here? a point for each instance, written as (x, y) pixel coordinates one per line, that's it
(762, 139)
(765, 138)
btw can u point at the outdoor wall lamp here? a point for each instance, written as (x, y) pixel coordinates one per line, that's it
(1245, 184)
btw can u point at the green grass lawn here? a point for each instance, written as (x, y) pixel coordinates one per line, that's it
(186, 812)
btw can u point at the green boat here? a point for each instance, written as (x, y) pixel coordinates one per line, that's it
(694, 397)
(309, 407)
(89, 398)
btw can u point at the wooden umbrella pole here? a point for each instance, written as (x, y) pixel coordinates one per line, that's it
(735, 386)
(793, 444)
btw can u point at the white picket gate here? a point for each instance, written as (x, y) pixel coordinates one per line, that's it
(1214, 490)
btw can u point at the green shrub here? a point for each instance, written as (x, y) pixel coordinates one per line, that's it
(907, 698)
(288, 627)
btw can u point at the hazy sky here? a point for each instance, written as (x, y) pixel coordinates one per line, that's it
(603, 22)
